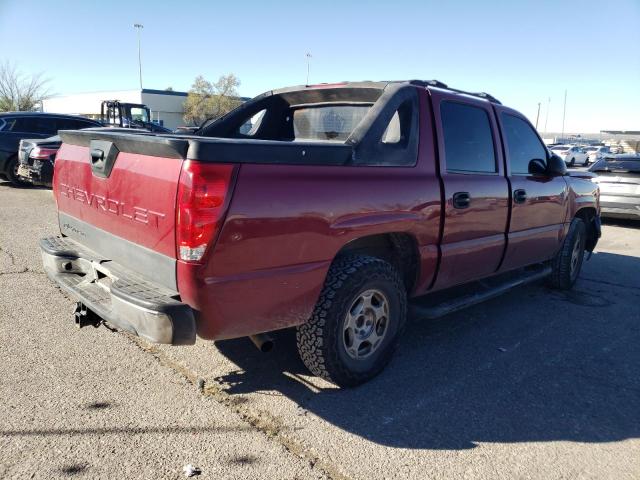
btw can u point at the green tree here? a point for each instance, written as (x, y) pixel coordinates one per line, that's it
(211, 100)
(19, 92)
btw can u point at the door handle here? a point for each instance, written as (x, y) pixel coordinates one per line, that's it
(519, 196)
(461, 200)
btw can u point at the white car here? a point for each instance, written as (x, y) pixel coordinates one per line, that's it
(596, 153)
(571, 154)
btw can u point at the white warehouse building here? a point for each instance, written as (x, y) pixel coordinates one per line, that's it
(166, 106)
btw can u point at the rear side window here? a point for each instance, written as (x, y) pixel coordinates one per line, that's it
(329, 123)
(251, 126)
(523, 145)
(468, 141)
(32, 125)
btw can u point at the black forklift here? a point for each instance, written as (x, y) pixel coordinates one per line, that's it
(114, 113)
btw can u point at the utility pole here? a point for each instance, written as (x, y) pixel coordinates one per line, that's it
(538, 116)
(138, 27)
(564, 112)
(308, 55)
(546, 119)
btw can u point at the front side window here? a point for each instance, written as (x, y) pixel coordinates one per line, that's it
(468, 140)
(83, 124)
(523, 145)
(66, 124)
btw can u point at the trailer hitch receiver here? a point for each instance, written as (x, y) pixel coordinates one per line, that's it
(85, 317)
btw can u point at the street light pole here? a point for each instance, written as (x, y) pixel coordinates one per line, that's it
(138, 27)
(538, 116)
(564, 112)
(546, 118)
(308, 55)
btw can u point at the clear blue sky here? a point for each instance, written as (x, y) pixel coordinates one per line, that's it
(522, 52)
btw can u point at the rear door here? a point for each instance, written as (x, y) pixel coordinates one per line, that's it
(476, 193)
(540, 202)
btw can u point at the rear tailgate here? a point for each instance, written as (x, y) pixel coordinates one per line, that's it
(618, 176)
(118, 203)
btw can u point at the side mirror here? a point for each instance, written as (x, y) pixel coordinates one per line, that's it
(537, 167)
(556, 166)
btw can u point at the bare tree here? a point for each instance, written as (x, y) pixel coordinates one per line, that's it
(211, 100)
(19, 92)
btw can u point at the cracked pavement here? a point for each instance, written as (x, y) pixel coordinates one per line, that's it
(533, 384)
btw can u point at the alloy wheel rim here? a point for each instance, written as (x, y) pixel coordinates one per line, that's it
(575, 255)
(366, 324)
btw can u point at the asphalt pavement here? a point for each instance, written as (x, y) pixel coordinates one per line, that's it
(534, 384)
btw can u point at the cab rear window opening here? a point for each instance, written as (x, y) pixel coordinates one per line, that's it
(332, 123)
(327, 122)
(389, 139)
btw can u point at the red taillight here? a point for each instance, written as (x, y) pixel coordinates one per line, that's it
(41, 153)
(202, 200)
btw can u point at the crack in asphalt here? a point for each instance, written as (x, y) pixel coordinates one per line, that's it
(24, 270)
(260, 420)
(612, 284)
(12, 258)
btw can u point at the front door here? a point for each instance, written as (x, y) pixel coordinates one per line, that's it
(539, 202)
(476, 193)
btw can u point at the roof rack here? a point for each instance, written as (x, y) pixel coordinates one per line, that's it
(439, 84)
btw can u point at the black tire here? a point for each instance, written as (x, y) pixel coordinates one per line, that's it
(12, 171)
(572, 162)
(322, 340)
(565, 269)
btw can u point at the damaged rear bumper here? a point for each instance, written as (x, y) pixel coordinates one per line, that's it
(37, 173)
(117, 295)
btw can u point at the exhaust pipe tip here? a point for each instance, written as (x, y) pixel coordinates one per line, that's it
(263, 342)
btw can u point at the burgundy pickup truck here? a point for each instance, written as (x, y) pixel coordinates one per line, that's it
(318, 207)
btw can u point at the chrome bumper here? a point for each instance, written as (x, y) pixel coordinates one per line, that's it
(120, 297)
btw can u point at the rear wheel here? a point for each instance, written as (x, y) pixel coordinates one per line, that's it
(572, 162)
(567, 263)
(12, 171)
(357, 322)
(586, 162)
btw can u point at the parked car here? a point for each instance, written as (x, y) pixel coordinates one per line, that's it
(186, 130)
(36, 158)
(597, 152)
(618, 177)
(571, 154)
(337, 205)
(15, 126)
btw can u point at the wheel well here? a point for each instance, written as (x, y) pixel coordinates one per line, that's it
(588, 216)
(399, 249)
